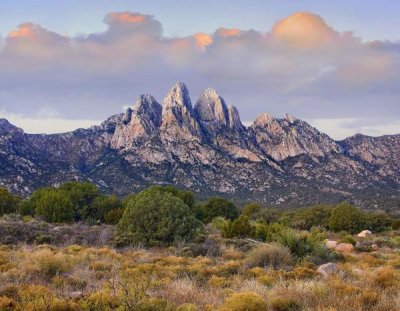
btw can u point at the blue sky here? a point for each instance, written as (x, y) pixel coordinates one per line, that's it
(73, 63)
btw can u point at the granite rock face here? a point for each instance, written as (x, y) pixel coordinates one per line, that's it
(207, 149)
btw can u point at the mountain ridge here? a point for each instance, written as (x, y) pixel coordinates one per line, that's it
(207, 149)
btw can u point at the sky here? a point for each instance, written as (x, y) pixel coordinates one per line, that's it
(66, 64)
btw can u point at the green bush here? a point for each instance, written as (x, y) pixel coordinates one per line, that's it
(302, 244)
(345, 217)
(26, 208)
(82, 195)
(100, 206)
(156, 217)
(112, 217)
(54, 205)
(239, 228)
(251, 209)
(246, 301)
(8, 202)
(315, 216)
(219, 207)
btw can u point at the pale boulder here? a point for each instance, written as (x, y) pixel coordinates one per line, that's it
(344, 247)
(327, 269)
(330, 244)
(364, 234)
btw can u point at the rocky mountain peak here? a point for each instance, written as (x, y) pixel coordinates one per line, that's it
(178, 117)
(263, 118)
(211, 107)
(138, 123)
(178, 96)
(289, 118)
(234, 118)
(6, 126)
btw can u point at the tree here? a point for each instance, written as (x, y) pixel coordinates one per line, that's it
(314, 216)
(185, 195)
(345, 217)
(155, 217)
(82, 195)
(54, 205)
(251, 208)
(219, 207)
(8, 202)
(239, 228)
(100, 206)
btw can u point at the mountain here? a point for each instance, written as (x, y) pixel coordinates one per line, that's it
(206, 148)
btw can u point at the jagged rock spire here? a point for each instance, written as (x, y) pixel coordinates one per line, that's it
(138, 123)
(211, 107)
(178, 117)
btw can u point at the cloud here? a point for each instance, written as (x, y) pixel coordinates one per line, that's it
(302, 66)
(304, 30)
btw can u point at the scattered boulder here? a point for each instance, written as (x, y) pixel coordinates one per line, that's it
(364, 234)
(330, 244)
(344, 247)
(327, 269)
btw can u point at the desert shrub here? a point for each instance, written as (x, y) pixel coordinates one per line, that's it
(239, 228)
(267, 215)
(219, 207)
(153, 304)
(156, 217)
(54, 205)
(187, 307)
(100, 300)
(378, 222)
(8, 202)
(185, 195)
(100, 206)
(315, 216)
(269, 255)
(384, 277)
(251, 209)
(246, 301)
(345, 217)
(302, 244)
(26, 208)
(48, 264)
(82, 195)
(284, 304)
(113, 216)
(7, 304)
(347, 238)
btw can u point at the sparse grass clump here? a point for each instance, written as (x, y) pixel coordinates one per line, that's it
(268, 256)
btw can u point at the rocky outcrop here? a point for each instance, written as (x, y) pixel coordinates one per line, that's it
(207, 149)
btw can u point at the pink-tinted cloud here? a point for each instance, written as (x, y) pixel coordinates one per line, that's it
(304, 30)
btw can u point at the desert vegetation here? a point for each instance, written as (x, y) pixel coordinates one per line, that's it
(73, 248)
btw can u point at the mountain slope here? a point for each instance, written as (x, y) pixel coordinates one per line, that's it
(207, 149)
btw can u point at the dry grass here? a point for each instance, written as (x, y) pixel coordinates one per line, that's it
(265, 278)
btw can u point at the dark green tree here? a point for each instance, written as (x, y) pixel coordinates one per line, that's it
(82, 195)
(156, 217)
(251, 209)
(8, 202)
(346, 217)
(54, 205)
(239, 228)
(219, 207)
(100, 206)
(314, 216)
